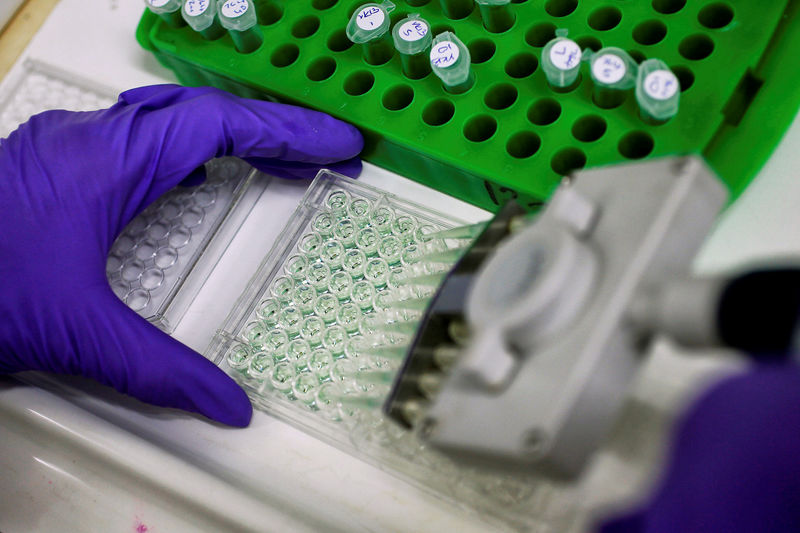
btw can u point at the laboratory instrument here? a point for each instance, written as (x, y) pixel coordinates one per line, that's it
(535, 322)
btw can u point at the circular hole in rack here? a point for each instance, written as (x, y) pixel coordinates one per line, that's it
(649, 32)
(589, 128)
(539, 35)
(685, 77)
(338, 41)
(696, 47)
(268, 12)
(521, 65)
(438, 112)
(359, 82)
(284, 55)
(667, 7)
(605, 18)
(560, 8)
(481, 50)
(544, 111)
(715, 16)
(566, 160)
(305, 27)
(636, 145)
(518, 1)
(500, 96)
(523, 144)
(398, 97)
(637, 55)
(592, 43)
(323, 4)
(441, 28)
(480, 128)
(321, 69)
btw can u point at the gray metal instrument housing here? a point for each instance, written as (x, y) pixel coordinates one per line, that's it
(551, 350)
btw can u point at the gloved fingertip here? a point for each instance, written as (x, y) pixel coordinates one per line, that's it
(195, 178)
(351, 167)
(140, 94)
(236, 409)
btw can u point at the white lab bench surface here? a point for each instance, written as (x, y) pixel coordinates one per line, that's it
(75, 456)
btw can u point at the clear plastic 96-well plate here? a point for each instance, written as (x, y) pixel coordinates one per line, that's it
(323, 326)
(160, 261)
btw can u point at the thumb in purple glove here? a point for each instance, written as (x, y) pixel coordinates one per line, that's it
(70, 182)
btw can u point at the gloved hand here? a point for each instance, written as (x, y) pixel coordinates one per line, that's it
(734, 466)
(70, 182)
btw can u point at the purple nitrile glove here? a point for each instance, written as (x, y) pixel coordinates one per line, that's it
(70, 182)
(734, 466)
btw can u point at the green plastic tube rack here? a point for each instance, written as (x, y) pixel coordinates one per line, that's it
(511, 135)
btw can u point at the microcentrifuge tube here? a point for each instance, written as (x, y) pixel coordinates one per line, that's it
(496, 14)
(450, 61)
(168, 10)
(457, 9)
(657, 92)
(412, 38)
(561, 62)
(369, 27)
(240, 19)
(613, 72)
(201, 15)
